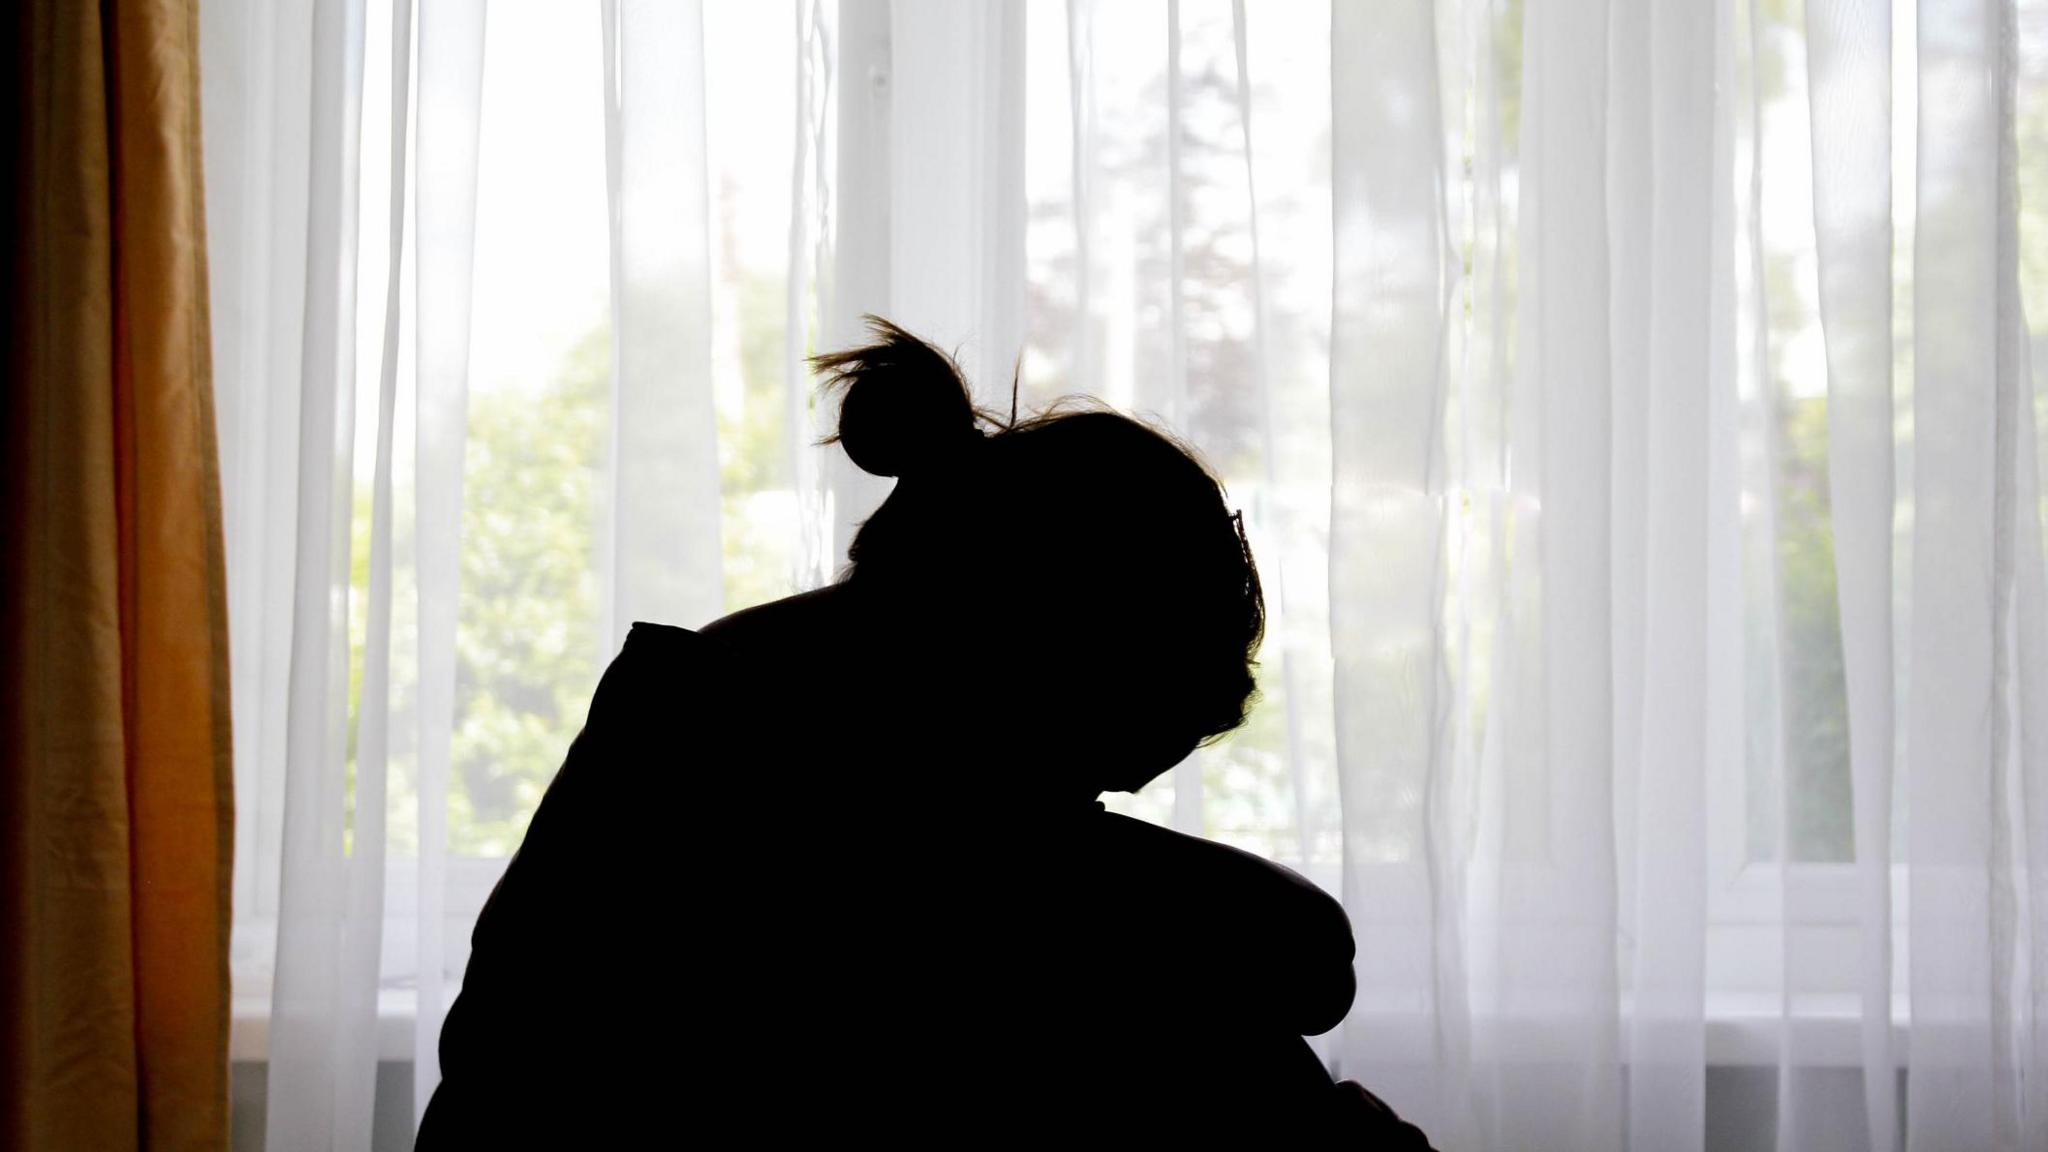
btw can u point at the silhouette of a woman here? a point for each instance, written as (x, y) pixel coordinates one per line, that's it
(835, 867)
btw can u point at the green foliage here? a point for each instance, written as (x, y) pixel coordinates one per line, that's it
(530, 646)
(2030, 129)
(1507, 71)
(1816, 710)
(754, 451)
(527, 649)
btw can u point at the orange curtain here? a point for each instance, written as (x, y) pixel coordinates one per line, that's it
(116, 819)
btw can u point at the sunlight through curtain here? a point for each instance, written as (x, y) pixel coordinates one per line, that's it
(1631, 405)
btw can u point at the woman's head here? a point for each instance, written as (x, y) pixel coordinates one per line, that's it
(1077, 573)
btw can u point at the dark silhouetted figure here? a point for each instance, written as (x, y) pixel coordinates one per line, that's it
(833, 869)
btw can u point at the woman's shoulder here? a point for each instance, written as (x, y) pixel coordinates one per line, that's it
(655, 652)
(647, 636)
(790, 619)
(663, 659)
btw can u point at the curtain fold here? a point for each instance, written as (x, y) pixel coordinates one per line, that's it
(1392, 287)
(1957, 745)
(119, 808)
(1667, 1049)
(665, 552)
(321, 1068)
(451, 65)
(1551, 1039)
(370, 718)
(822, 117)
(956, 183)
(1849, 56)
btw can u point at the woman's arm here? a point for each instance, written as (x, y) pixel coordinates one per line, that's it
(1264, 939)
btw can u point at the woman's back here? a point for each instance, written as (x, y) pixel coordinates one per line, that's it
(837, 943)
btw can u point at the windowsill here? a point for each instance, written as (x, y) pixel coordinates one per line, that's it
(1746, 1031)
(1741, 1031)
(249, 1028)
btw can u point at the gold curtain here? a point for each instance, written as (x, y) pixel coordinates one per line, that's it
(116, 819)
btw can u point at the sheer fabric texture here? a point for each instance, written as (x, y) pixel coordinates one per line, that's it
(1631, 404)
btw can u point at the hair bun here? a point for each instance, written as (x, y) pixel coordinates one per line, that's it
(905, 410)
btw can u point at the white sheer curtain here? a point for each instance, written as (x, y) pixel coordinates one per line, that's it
(1631, 404)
